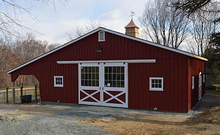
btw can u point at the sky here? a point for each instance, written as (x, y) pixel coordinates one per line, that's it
(52, 21)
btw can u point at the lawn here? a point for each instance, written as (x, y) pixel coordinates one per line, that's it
(216, 85)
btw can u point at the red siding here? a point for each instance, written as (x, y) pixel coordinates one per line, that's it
(170, 65)
(173, 98)
(194, 67)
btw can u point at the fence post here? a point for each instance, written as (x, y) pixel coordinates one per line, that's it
(21, 94)
(13, 93)
(35, 93)
(7, 95)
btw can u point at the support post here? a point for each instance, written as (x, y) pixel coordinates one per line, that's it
(21, 94)
(7, 95)
(35, 93)
(13, 93)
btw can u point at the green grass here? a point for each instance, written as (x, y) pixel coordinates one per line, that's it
(17, 95)
(216, 85)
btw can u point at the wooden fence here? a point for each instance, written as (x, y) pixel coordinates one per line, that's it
(16, 93)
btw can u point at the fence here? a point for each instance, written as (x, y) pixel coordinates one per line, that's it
(14, 94)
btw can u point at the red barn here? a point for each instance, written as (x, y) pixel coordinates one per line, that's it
(107, 68)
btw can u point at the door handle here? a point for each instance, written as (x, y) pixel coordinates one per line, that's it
(99, 88)
(102, 88)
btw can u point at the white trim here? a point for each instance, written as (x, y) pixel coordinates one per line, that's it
(122, 90)
(79, 82)
(148, 42)
(99, 36)
(54, 50)
(200, 86)
(102, 89)
(58, 85)
(112, 32)
(155, 89)
(109, 61)
(193, 82)
(126, 83)
(87, 88)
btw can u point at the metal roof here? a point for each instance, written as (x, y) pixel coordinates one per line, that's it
(112, 32)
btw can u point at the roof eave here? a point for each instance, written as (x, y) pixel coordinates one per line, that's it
(56, 49)
(112, 32)
(199, 57)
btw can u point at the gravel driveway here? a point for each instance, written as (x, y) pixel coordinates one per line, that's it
(52, 119)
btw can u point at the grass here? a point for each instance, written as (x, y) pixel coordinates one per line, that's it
(216, 85)
(17, 95)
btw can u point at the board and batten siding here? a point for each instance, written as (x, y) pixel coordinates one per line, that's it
(194, 67)
(173, 67)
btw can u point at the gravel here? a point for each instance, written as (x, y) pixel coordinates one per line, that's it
(54, 119)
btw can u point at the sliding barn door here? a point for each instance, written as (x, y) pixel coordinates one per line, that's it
(103, 84)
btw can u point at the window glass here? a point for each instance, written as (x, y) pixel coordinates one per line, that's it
(101, 36)
(114, 76)
(156, 83)
(89, 76)
(58, 81)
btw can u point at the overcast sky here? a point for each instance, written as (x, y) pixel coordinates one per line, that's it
(55, 22)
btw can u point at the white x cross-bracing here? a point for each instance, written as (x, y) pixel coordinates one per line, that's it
(114, 97)
(90, 96)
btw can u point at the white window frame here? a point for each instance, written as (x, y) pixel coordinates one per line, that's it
(193, 82)
(99, 36)
(156, 89)
(58, 85)
(203, 77)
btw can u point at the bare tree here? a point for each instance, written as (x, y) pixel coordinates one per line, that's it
(13, 54)
(191, 7)
(10, 22)
(83, 29)
(203, 25)
(51, 47)
(28, 48)
(163, 24)
(7, 61)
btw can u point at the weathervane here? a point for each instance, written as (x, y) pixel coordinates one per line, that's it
(132, 14)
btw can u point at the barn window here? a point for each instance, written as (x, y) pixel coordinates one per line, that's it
(203, 77)
(193, 82)
(114, 76)
(90, 76)
(156, 83)
(58, 81)
(101, 36)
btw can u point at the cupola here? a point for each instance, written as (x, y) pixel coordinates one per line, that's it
(131, 29)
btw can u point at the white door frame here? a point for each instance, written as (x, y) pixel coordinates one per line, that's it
(200, 86)
(83, 88)
(102, 88)
(123, 90)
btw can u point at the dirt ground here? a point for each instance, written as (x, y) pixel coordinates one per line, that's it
(204, 124)
(52, 119)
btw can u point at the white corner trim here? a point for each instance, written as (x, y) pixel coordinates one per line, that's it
(109, 61)
(112, 32)
(193, 82)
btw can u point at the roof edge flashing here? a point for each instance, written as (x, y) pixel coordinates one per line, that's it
(112, 32)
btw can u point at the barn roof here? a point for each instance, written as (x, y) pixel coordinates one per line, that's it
(112, 32)
(131, 24)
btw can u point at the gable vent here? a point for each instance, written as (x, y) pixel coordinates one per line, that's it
(101, 35)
